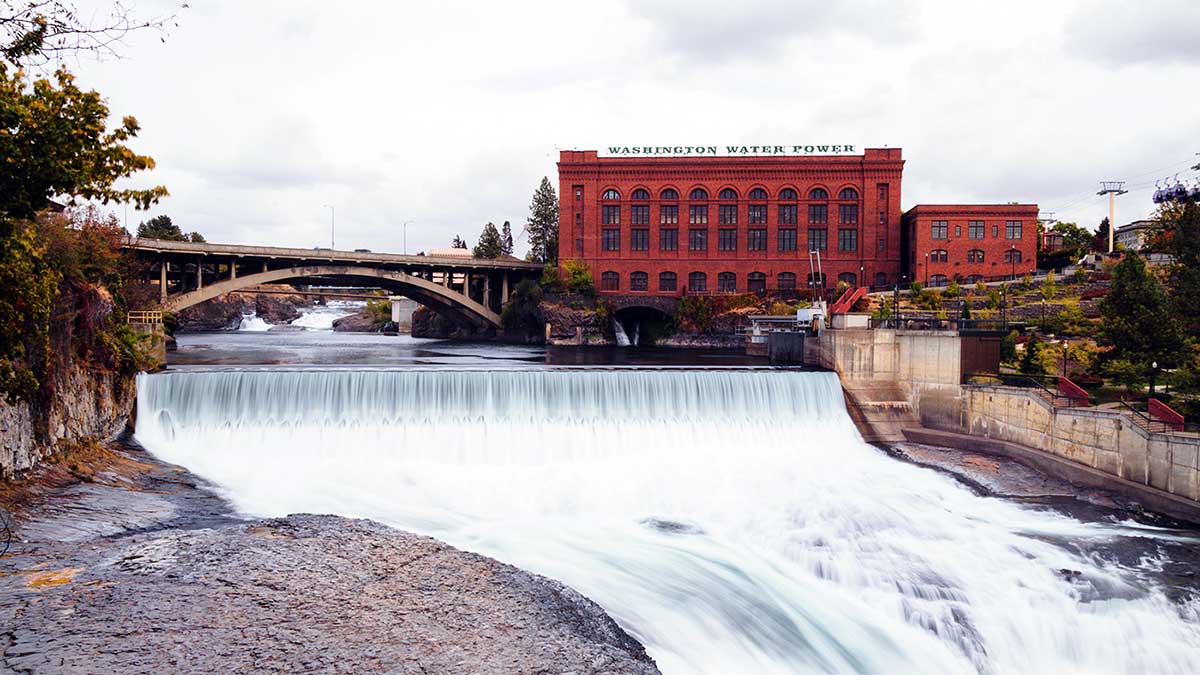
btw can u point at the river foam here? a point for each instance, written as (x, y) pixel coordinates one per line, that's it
(733, 521)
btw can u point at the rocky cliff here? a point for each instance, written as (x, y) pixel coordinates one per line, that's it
(86, 404)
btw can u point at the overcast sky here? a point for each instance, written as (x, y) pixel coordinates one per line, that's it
(448, 114)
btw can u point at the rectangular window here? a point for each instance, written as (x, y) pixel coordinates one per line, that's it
(818, 239)
(697, 240)
(578, 218)
(818, 214)
(957, 231)
(940, 229)
(787, 214)
(883, 192)
(787, 239)
(756, 239)
(847, 240)
(975, 229)
(668, 240)
(848, 214)
(639, 281)
(610, 215)
(610, 239)
(995, 231)
(579, 245)
(639, 214)
(668, 214)
(1012, 230)
(609, 281)
(578, 193)
(639, 239)
(882, 244)
(726, 240)
(758, 214)
(698, 215)
(883, 217)
(727, 214)
(667, 281)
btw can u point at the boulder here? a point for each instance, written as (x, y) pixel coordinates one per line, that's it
(278, 309)
(221, 313)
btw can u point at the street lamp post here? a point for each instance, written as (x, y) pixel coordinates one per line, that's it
(1012, 257)
(406, 236)
(1153, 372)
(926, 269)
(331, 222)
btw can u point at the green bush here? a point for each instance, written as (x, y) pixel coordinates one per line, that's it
(551, 281)
(993, 300)
(579, 277)
(980, 288)
(952, 290)
(1031, 361)
(695, 313)
(1008, 347)
(522, 316)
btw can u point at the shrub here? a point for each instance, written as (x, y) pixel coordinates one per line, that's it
(993, 299)
(695, 313)
(952, 290)
(579, 277)
(1031, 361)
(551, 281)
(915, 287)
(1026, 283)
(980, 288)
(1008, 347)
(522, 316)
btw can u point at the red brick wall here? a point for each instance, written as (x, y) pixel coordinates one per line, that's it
(876, 169)
(918, 223)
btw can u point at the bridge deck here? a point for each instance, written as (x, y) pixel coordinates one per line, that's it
(322, 255)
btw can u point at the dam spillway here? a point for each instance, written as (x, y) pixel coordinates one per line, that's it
(732, 520)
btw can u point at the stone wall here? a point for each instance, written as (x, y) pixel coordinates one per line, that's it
(1104, 440)
(86, 404)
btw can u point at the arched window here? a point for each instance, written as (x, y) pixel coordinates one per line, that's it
(726, 282)
(816, 279)
(786, 281)
(610, 281)
(640, 194)
(639, 281)
(757, 213)
(938, 255)
(848, 193)
(668, 195)
(698, 195)
(818, 193)
(697, 282)
(939, 280)
(880, 279)
(727, 193)
(667, 281)
(974, 278)
(756, 282)
(975, 255)
(758, 193)
(788, 194)
(849, 278)
(1012, 255)
(610, 195)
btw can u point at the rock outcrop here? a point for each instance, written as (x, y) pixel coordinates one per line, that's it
(155, 578)
(221, 313)
(361, 322)
(278, 309)
(427, 323)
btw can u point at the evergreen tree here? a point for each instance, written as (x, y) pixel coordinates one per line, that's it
(1031, 362)
(1184, 280)
(458, 242)
(1100, 239)
(490, 244)
(1138, 322)
(542, 228)
(506, 240)
(161, 227)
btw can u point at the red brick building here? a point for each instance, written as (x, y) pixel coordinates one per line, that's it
(970, 243)
(669, 225)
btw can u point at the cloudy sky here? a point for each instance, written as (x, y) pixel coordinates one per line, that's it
(447, 114)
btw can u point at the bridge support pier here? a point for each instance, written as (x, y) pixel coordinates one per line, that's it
(503, 289)
(233, 268)
(487, 291)
(199, 273)
(162, 281)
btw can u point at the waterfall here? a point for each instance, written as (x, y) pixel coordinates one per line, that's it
(619, 332)
(732, 520)
(253, 323)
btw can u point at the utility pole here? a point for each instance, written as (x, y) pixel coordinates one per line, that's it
(406, 236)
(1112, 188)
(331, 218)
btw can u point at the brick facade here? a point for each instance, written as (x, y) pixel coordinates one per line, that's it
(639, 222)
(969, 242)
(764, 249)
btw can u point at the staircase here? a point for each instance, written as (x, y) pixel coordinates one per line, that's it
(851, 296)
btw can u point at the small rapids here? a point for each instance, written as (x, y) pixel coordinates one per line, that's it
(733, 521)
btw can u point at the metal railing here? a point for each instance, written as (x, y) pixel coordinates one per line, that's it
(1055, 396)
(145, 316)
(918, 322)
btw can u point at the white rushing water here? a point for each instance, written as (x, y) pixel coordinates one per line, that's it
(321, 317)
(254, 324)
(733, 521)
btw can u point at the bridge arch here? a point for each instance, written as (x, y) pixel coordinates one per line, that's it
(437, 297)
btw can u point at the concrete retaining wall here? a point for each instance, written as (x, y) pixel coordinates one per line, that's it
(1104, 440)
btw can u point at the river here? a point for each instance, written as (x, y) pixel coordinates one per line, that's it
(728, 517)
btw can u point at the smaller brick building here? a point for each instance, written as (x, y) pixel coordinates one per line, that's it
(969, 243)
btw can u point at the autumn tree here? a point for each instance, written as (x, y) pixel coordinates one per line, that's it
(542, 227)
(36, 32)
(490, 244)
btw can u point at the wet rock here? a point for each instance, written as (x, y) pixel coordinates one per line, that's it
(302, 594)
(278, 309)
(356, 323)
(221, 313)
(427, 323)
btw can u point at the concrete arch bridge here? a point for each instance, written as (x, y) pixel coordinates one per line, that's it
(466, 290)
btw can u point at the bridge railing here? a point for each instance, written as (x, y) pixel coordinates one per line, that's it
(145, 316)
